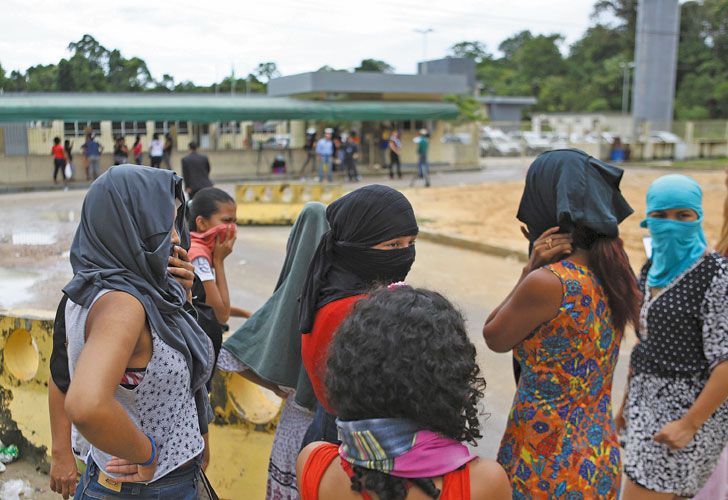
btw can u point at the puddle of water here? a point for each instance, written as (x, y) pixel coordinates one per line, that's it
(15, 286)
(33, 238)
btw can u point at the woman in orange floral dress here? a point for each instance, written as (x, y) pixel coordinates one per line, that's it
(564, 321)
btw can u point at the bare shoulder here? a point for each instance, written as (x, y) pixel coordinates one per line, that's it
(117, 308)
(540, 281)
(489, 481)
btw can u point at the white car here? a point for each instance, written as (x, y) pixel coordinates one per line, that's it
(495, 142)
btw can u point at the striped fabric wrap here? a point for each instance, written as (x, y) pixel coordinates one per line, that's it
(400, 447)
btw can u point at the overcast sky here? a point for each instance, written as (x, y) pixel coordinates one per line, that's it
(201, 41)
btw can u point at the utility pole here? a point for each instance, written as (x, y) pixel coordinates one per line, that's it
(232, 80)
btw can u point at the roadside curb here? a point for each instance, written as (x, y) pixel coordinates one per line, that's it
(27, 188)
(476, 246)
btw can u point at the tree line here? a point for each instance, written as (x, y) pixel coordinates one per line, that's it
(587, 78)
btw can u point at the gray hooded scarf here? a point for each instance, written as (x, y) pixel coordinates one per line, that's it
(123, 243)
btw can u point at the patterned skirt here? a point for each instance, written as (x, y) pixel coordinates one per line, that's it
(654, 401)
(291, 428)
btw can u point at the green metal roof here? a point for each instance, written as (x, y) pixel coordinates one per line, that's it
(208, 108)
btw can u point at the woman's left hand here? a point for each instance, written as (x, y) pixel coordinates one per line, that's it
(181, 268)
(548, 248)
(676, 434)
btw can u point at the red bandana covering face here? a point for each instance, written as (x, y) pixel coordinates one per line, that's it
(203, 244)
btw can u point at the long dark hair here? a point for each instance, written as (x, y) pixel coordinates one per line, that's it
(610, 263)
(405, 353)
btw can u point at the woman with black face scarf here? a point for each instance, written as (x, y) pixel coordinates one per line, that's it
(371, 242)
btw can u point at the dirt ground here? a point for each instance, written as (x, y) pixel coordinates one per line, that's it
(487, 212)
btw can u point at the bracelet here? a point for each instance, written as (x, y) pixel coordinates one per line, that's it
(154, 451)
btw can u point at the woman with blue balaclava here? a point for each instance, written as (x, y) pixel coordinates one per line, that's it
(675, 412)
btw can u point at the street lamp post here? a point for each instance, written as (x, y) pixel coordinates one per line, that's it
(424, 32)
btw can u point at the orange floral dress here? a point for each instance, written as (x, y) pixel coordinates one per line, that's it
(561, 440)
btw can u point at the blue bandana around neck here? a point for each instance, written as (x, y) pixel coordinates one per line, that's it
(676, 245)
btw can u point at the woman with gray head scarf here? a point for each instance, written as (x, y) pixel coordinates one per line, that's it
(138, 361)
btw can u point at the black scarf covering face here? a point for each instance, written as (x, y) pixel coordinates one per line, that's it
(344, 263)
(123, 243)
(567, 187)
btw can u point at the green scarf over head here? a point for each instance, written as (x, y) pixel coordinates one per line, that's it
(269, 342)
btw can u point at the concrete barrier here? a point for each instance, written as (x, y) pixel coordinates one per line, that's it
(280, 203)
(240, 438)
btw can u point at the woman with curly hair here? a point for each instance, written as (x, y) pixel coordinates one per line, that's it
(402, 378)
(564, 320)
(370, 241)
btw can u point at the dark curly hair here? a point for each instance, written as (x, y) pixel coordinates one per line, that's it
(405, 353)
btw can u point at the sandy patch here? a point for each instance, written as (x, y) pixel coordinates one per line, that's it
(487, 212)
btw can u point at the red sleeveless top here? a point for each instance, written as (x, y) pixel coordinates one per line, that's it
(455, 485)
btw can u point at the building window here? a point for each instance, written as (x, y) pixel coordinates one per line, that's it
(183, 127)
(40, 124)
(160, 127)
(79, 129)
(229, 127)
(128, 128)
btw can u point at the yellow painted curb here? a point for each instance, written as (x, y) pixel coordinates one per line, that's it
(279, 203)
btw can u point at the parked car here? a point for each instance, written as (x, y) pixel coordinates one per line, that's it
(534, 142)
(495, 142)
(462, 138)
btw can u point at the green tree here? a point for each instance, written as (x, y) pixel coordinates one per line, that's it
(374, 65)
(473, 49)
(267, 70)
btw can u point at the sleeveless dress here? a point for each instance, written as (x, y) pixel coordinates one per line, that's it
(455, 484)
(561, 441)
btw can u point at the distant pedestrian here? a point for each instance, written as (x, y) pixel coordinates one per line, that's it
(121, 151)
(68, 147)
(350, 152)
(136, 150)
(156, 151)
(395, 148)
(167, 151)
(325, 152)
(423, 167)
(92, 151)
(195, 171)
(310, 148)
(59, 160)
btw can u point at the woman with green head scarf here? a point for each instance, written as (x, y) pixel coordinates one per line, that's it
(267, 350)
(675, 411)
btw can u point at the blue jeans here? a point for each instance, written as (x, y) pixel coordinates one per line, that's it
(326, 165)
(424, 169)
(180, 484)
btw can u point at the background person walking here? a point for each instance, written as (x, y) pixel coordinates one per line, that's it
(156, 151)
(92, 151)
(167, 151)
(136, 150)
(395, 148)
(59, 160)
(325, 153)
(195, 171)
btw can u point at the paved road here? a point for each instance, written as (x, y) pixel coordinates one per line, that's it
(33, 275)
